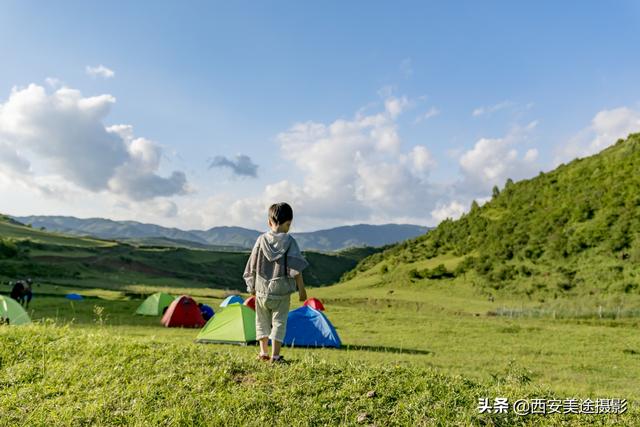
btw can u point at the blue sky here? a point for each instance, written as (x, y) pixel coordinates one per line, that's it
(353, 111)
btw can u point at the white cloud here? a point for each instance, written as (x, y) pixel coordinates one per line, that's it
(606, 127)
(490, 109)
(419, 161)
(356, 170)
(531, 155)
(492, 160)
(53, 82)
(343, 171)
(11, 160)
(352, 171)
(431, 112)
(64, 135)
(15, 168)
(451, 210)
(163, 207)
(395, 106)
(100, 71)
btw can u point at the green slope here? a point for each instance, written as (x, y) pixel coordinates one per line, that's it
(13, 229)
(572, 231)
(165, 242)
(90, 263)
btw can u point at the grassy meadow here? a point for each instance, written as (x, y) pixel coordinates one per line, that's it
(535, 294)
(417, 353)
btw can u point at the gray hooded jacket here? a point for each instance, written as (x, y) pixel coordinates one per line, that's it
(266, 265)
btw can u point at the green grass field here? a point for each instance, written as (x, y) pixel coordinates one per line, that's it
(415, 351)
(427, 351)
(71, 376)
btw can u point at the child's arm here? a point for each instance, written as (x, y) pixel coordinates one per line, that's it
(249, 274)
(302, 292)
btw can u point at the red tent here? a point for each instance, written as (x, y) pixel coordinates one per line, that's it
(314, 303)
(183, 312)
(251, 303)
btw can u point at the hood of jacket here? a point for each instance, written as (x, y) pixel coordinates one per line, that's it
(274, 245)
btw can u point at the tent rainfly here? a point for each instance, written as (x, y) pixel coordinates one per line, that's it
(183, 312)
(236, 324)
(155, 305)
(12, 313)
(251, 302)
(308, 327)
(231, 299)
(314, 303)
(206, 311)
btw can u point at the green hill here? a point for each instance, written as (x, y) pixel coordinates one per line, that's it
(106, 228)
(572, 231)
(88, 263)
(165, 242)
(11, 229)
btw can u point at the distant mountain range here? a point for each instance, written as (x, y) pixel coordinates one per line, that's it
(329, 240)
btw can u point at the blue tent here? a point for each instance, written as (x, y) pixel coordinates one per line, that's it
(308, 327)
(74, 297)
(232, 299)
(206, 310)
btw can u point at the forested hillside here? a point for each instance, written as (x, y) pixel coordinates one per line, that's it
(574, 229)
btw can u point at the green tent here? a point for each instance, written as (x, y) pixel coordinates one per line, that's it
(155, 305)
(236, 324)
(12, 312)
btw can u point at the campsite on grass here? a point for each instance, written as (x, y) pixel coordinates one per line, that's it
(335, 213)
(429, 315)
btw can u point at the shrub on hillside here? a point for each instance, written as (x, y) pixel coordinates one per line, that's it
(503, 273)
(438, 272)
(8, 248)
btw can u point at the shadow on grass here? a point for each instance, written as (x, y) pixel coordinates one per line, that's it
(383, 349)
(350, 347)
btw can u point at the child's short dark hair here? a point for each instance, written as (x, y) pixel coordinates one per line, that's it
(279, 213)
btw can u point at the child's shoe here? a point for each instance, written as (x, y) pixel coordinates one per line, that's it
(263, 357)
(278, 360)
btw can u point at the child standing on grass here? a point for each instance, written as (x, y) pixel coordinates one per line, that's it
(273, 272)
